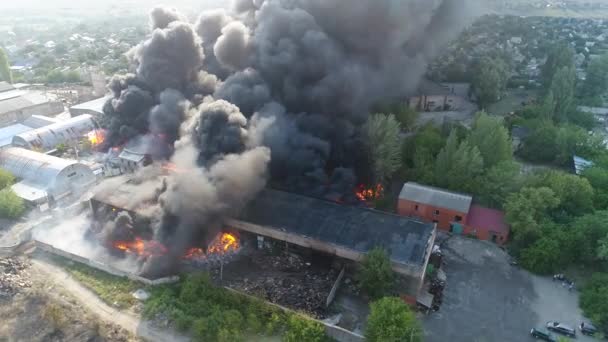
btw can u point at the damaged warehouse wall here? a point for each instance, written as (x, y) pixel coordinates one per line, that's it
(344, 231)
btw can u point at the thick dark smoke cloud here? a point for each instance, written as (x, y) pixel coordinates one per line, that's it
(278, 88)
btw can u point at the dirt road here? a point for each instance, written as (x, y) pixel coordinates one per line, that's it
(95, 305)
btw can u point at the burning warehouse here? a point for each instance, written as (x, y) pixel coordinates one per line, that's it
(338, 231)
(270, 91)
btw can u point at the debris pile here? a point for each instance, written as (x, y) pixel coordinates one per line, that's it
(12, 277)
(289, 281)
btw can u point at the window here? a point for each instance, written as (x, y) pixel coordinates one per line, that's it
(436, 212)
(416, 207)
(458, 218)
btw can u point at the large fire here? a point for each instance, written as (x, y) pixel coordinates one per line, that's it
(96, 137)
(364, 193)
(224, 243)
(141, 247)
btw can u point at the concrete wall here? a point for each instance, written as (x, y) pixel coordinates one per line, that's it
(427, 213)
(102, 267)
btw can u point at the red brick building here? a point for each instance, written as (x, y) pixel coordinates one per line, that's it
(487, 224)
(434, 205)
(452, 212)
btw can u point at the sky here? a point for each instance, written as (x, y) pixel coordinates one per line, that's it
(100, 4)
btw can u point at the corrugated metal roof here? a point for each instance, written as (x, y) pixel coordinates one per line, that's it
(7, 133)
(37, 121)
(131, 156)
(48, 137)
(32, 166)
(92, 106)
(14, 104)
(436, 197)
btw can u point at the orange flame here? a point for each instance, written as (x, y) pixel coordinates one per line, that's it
(223, 244)
(141, 247)
(96, 137)
(369, 194)
(170, 167)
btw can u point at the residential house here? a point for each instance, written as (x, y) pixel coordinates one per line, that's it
(434, 97)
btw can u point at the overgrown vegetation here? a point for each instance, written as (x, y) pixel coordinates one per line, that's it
(11, 205)
(391, 319)
(215, 314)
(116, 291)
(376, 277)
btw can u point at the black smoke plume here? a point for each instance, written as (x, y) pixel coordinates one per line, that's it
(270, 88)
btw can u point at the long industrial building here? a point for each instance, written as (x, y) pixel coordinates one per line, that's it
(44, 178)
(343, 231)
(48, 137)
(17, 105)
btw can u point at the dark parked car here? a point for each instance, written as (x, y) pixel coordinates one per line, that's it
(542, 335)
(588, 329)
(561, 328)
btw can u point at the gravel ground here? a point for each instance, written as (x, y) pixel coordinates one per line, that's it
(487, 299)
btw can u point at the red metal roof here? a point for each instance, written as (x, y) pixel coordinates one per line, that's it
(487, 219)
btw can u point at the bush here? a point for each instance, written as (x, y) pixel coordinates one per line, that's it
(6, 179)
(391, 319)
(300, 329)
(11, 205)
(214, 314)
(594, 300)
(376, 277)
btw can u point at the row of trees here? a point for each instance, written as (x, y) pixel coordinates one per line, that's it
(478, 161)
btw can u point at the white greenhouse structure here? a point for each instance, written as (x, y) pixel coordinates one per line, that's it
(44, 178)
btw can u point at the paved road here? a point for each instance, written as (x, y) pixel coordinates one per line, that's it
(487, 299)
(95, 305)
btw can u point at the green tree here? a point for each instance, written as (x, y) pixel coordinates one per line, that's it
(6, 179)
(11, 205)
(542, 257)
(602, 249)
(541, 146)
(499, 182)
(384, 148)
(560, 56)
(403, 113)
(391, 319)
(598, 178)
(376, 277)
(5, 69)
(492, 139)
(596, 82)
(526, 210)
(490, 80)
(458, 169)
(562, 88)
(585, 235)
(575, 194)
(300, 329)
(594, 300)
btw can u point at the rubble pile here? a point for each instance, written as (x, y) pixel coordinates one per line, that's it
(12, 277)
(289, 281)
